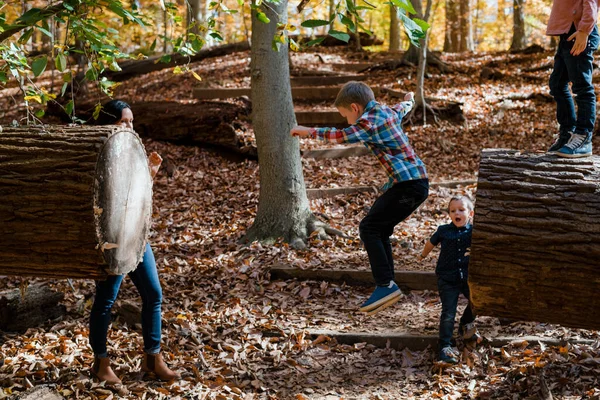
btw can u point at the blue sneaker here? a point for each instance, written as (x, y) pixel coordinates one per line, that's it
(448, 356)
(382, 298)
(561, 139)
(578, 146)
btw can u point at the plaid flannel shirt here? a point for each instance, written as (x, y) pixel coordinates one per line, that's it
(380, 130)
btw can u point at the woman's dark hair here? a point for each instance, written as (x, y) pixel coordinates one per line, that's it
(110, 113)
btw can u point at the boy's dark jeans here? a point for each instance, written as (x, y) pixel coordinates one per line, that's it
(391, 208)
(578, 70)
(450, 289)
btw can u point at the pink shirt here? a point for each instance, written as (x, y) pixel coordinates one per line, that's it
(583, 13)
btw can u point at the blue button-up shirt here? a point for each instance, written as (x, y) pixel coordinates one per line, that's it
(456, 242)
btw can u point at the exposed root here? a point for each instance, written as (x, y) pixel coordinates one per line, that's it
(323, 231)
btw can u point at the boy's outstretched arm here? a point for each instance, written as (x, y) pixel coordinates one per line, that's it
(300, 131)
(404, 108)
(428, 247)
(359, 132)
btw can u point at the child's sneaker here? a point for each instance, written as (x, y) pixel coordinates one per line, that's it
(561, 139)
(467, 331)
(448, 355)
(578, 146)
(382, 297)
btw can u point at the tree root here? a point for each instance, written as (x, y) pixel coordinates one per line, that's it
(323, 231)
(434, 112)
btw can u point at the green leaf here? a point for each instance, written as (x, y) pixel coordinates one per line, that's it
(165, 59)
(61, 62)
(45, 32)
(97, 109)
(350, 6)
(69, 107)
(114, 66)
(344, 37)
(91, 75)
(64, 89)
(67, 77)
(217, 36)
(38, 66)
(313, 23)
(405, 5)
(40, 113)
(26, 36)
(314, 42)
(412, 29)
(423, 24)
(348, 22)
(3, 77)
(153, 45)
(262, 17)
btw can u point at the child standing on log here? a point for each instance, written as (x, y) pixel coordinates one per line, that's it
(378, 127)
(452, 271)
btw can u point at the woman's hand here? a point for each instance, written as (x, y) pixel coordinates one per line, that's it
(154, 161)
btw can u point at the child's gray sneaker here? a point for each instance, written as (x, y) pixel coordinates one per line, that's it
(560, 140)
(468, 331)
(448, 355)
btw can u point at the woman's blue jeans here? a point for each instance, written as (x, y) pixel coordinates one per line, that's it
(578, 71)
(145, 279)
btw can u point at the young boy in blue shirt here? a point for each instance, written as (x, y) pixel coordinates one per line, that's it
(452, 273)
(378, 127)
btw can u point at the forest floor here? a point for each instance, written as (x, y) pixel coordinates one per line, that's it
(235, 334)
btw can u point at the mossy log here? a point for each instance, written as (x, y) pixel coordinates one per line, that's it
(536, 238)
(76, 201)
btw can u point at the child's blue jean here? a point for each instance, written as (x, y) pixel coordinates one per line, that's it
(145, 278)
(578, 70)
(450, 289)
(391, 208)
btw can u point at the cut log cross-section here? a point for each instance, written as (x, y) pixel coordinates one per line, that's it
(76, 201)
(536, 239)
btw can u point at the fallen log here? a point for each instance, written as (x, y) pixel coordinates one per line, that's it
(209, 122)
(76, 201)
(38, 305)
(330, 41)
(536, 238)
(151, 64)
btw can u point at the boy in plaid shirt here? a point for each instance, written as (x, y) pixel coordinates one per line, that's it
(378, 127)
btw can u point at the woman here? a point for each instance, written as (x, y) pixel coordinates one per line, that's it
(145, 278)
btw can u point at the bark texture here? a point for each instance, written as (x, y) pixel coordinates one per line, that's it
(283, 209)
(394, 29)
(536, 239)
(69, 198)
(38, 305)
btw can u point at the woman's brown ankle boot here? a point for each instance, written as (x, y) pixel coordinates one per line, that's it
(102, 371)
(154, 364)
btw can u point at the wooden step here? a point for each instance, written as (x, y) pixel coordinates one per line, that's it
(302, 92)
(321, 118)
(401, 340)
(330, 192)
(335, 152)
(407, 280)
(299, 81)
(322, 193)
(351, 66)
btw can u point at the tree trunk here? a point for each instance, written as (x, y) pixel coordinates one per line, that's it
(76, 202)
(413, 53)
(195, 15)
(536, 239)
(394, 29)
(519, 41)
(466, 32)
(451, 37)
(38, 305)
(283, 209)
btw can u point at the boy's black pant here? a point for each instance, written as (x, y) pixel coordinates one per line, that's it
(450, 289)
(391, 208)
